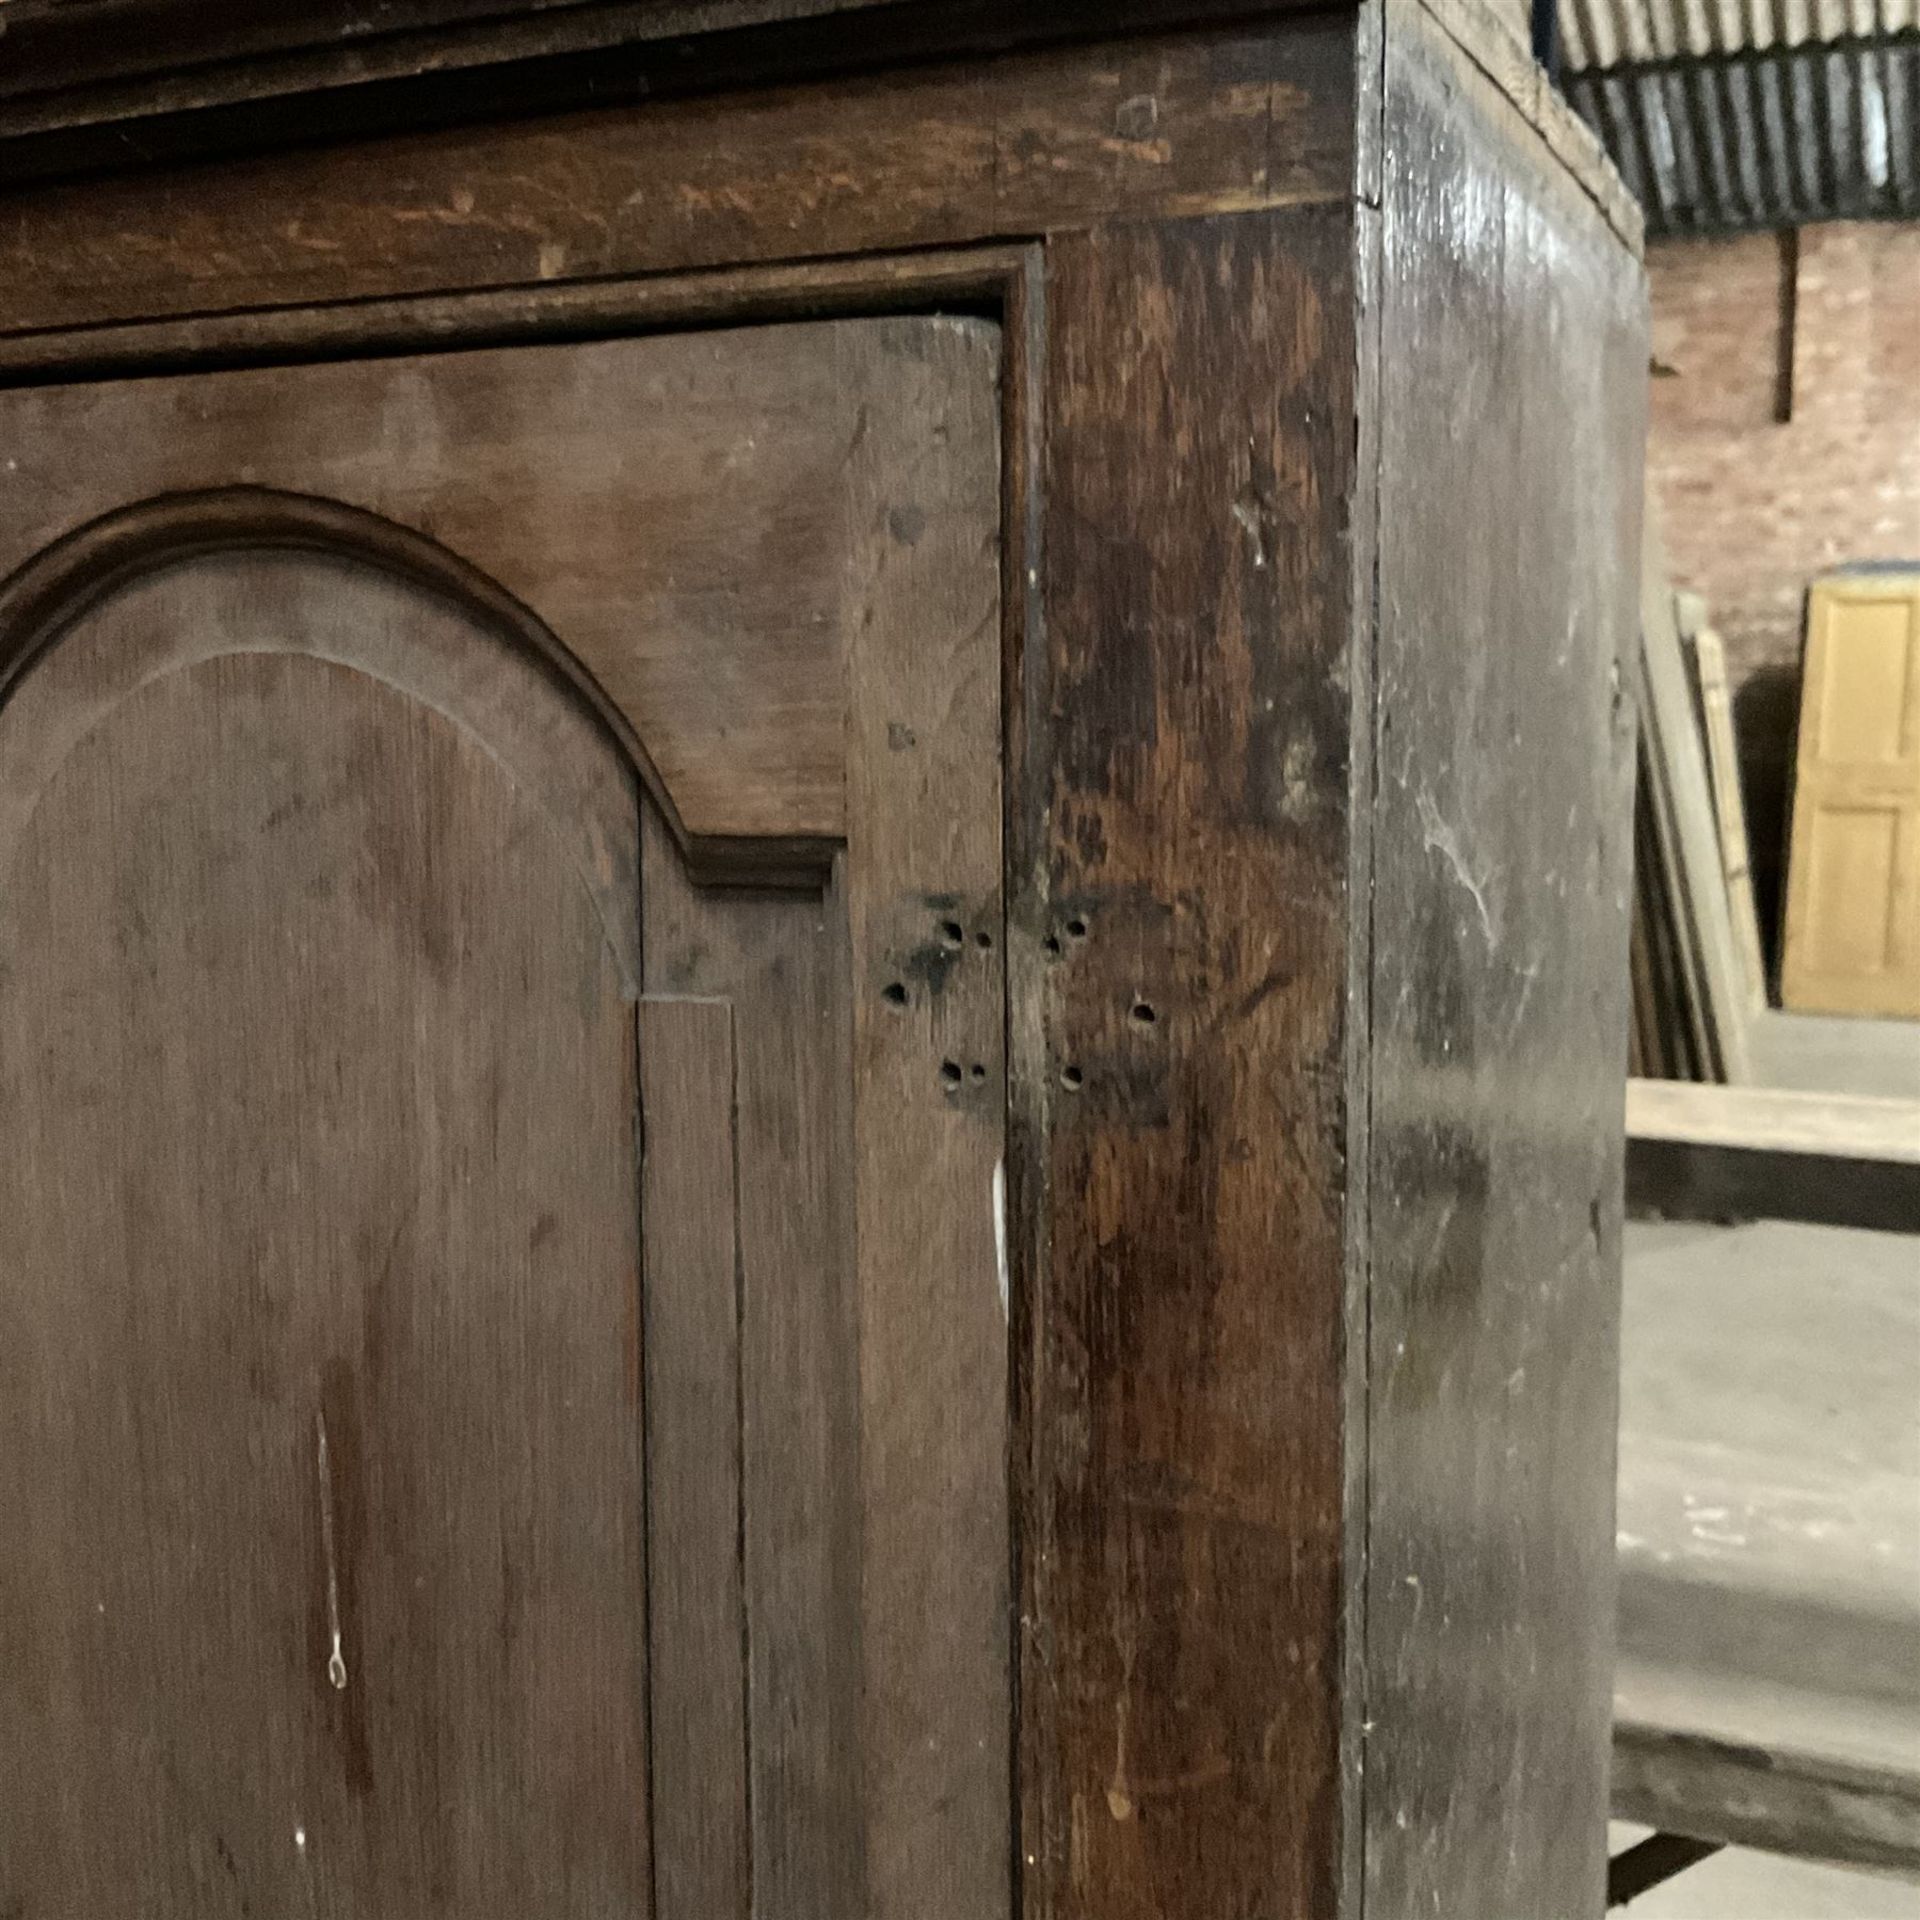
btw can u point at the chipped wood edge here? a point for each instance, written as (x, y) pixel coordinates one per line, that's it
(1502, 58)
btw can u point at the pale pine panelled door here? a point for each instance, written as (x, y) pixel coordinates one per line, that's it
(1852, 938)
(502, 1349)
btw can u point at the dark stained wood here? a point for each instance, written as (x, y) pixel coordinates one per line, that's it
(1183, 849)
(1512, 339)
(321, 1469)
(696, 1593)
(927, 942)
(585, 483)
(928, 157)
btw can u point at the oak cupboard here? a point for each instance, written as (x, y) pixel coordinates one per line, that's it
(813, 824)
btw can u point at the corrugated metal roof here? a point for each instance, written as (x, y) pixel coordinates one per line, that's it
(1730, 114)
(1763, 139)
(1613, 33)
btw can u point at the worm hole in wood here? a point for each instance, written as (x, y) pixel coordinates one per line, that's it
(950, 1075)
(894, 993)
(1072, 1079)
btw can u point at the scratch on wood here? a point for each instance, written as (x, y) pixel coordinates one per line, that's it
(336, 1657)
(1443, 841)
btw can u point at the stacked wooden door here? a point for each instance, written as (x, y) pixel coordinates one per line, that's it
(502, 1348)
(1852, 935)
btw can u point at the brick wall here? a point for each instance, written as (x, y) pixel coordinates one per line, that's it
(1785, 439)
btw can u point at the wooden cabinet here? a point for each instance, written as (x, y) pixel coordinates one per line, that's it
(812, 963)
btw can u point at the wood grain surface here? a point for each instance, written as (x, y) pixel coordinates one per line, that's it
(872, 1327)
(1230, 1539)
(677, 512)
(321, 1464)
(1511, 349)
(927, 932)
(276, 815)
(1185, 820)
(698, 1625)
(929, 156)
(103, 63)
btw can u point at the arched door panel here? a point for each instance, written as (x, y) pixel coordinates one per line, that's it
(317, 1272)
(503, 1296)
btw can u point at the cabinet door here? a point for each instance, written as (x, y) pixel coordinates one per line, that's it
(1852, 940)
(502, 1340)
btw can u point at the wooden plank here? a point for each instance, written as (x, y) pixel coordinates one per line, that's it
(1504, 59)
(1684, 818)
(1181, 847)
(1513, 350)
(135, 68)
(321, 1479)
(1666, 1003)
(780, 961)
(1770, 1119)
(581, 482)
(872, 1333)
(1729, 808)
(1772, 1798)
(961, 277)
(927, 931)
(929, 156)
(696, 1590)
(1851, 939)
(1702, 1153)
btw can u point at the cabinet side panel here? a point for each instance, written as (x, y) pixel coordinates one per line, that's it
(1512, 365)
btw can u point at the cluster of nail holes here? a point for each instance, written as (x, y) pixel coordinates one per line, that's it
(894, 993)
(954, 935)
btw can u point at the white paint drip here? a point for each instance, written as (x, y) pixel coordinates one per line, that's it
(1000, 1234)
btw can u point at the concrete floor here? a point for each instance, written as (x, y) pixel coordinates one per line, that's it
(1770, 1524)
(1736, 1885)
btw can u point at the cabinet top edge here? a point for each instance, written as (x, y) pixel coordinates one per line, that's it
(104, 85)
